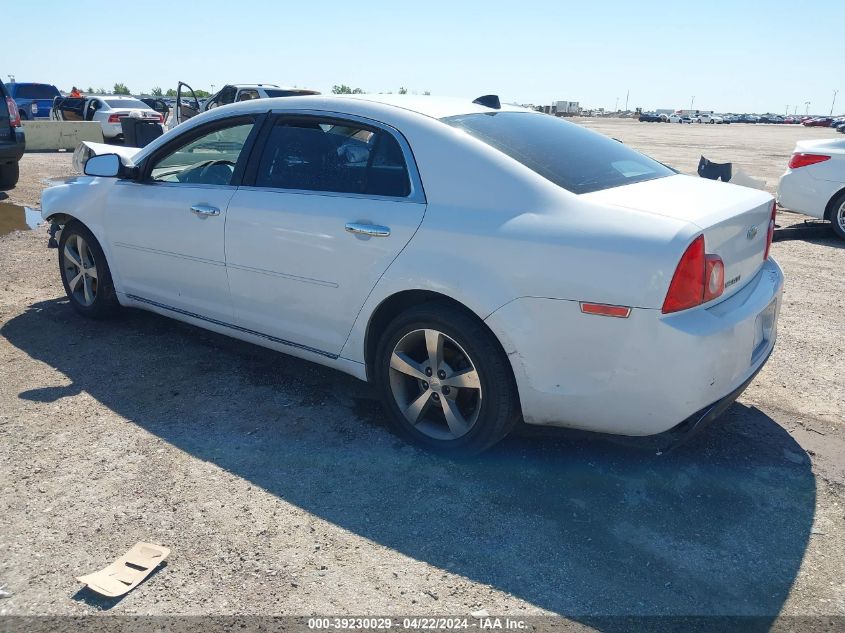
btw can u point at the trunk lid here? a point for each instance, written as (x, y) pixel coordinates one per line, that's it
(733, 219)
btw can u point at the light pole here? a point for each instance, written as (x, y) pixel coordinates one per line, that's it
(627, 94)
(806, 107)
(835, 92)
(11, 79)
(616, 107)
(212, 88)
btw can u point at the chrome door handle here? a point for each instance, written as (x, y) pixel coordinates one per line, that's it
(373, 230)
(204, 210)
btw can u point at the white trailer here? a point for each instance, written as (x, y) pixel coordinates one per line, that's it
(566, 108)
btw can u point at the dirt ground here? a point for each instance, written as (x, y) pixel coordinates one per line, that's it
(280, 491)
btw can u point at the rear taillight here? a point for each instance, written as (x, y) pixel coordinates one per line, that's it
(771, 234)
(14, 114)
(115, 118)
(802, 160)
(698, 278)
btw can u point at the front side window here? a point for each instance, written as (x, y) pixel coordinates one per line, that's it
(567, 154)
(209, 159)
(338, 157)
(225, 97)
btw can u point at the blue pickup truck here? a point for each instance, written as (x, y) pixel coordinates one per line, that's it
(34, 100)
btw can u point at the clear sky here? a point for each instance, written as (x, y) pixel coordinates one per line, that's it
(740, 56)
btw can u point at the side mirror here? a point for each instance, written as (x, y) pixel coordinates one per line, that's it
(105, 165)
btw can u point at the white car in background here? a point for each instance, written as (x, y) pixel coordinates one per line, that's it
(679, 118)
(814, 182)
(108, 110)
(478, 263)
(709, 118)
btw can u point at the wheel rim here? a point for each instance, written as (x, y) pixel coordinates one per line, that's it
(840, 217)
(80, 270)
(435, 384)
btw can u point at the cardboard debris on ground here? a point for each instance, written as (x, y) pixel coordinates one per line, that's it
(128, 571)
(741, 178)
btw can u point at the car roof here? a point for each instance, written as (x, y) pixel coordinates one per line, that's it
(434, 107)
(254, 86)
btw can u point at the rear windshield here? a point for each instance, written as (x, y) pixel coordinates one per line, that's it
(569, 155)
(273, 92)
(127, 103)
(36, 91)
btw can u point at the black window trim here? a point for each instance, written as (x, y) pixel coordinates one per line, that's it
(416, 196)
(258, 120)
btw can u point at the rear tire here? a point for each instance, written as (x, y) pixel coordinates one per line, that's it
(9, 175)
(441, 367)
(837, 216)
(85, 273)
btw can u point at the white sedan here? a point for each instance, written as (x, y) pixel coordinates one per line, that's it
(478, 263)
(679, 118)
(814, 182)
(709, 118)
(109, 111)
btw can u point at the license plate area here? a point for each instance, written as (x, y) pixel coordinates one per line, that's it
(764, 327)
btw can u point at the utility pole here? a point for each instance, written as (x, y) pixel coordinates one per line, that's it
(691, 101)
(835, 92)
(628, 94)
(616, 107)
(806, 107)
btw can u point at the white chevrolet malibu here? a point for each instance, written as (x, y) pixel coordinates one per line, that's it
(479, 264)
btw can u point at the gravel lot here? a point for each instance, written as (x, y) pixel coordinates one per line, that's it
(280, 491)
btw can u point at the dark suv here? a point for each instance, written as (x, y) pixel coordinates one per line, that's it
(11, 140)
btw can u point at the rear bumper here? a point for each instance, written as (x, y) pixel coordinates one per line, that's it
(700, 420)
(11, 152)
(642, 375)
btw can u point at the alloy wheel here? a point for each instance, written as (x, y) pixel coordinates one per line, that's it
(80, 270)
(840, 217)
(435, 384)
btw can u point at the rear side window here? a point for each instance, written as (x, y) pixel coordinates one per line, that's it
(36, 91)
(321, 155)
(567, 154)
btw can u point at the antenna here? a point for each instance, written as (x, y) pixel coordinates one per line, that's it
(489, 101)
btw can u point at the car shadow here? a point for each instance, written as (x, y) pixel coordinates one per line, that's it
(570, 522)
(815, 232)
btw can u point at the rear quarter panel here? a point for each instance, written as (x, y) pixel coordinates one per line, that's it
(495, 231)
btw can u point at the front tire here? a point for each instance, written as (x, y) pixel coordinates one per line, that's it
(837, 216)
(9, 175)
(85, 273)
(445, 381)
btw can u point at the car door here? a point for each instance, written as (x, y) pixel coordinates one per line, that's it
(187, 107)
(326, 206)
(165, 229)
